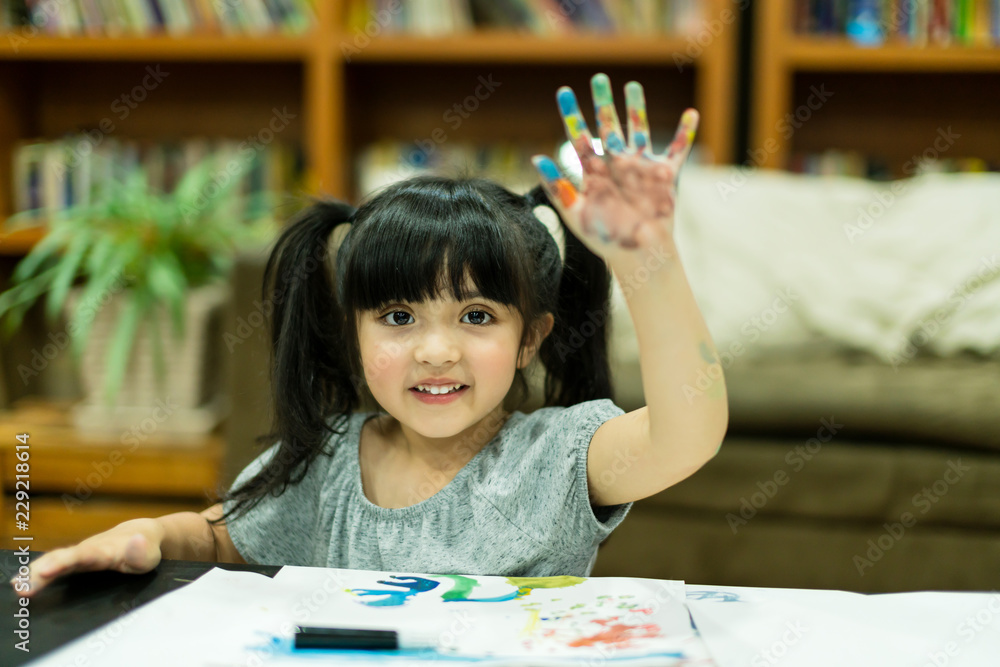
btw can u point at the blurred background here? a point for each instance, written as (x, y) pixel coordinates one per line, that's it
(839, 220)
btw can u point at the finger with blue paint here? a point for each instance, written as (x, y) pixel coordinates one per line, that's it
(638, 123)
(577, 130)
(560, 189)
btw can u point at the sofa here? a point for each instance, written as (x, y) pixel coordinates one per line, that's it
(858, 325)
(863, 450)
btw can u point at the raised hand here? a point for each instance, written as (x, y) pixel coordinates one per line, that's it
(627, 199)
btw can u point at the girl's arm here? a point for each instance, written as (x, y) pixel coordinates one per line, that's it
(624, 213)
(136, 546)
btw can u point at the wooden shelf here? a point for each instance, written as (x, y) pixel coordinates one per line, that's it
(156, 465)
(324, 83)
(517, 48)
(887, 101)
(842, 54)
(20, 242)
(188, 47)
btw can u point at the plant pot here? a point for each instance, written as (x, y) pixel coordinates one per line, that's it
(191, 399)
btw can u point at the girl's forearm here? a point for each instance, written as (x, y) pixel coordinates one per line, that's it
(687, 415)
(181, 536)
(187, 536)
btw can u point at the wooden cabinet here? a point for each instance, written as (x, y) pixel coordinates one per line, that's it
(78, 487)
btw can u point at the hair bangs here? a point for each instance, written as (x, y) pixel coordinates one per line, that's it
(422, 244)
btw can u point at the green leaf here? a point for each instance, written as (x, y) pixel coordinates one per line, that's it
(28, 291)
(169, 286)
(53, 241)
(91, 296)
(68, 268)
(121, 344)
(193, 185)
(98, 258)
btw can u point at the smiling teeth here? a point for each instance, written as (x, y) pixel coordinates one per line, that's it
(437, 390)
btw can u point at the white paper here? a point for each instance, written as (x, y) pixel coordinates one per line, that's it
(243, 618)
(548, 619)
(759, 626)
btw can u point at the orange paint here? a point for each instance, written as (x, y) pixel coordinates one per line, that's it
(565, 192)
(618, 634)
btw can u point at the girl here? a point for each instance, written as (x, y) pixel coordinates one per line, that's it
(441, 293)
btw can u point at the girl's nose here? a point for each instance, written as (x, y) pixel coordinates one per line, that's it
(437, 347)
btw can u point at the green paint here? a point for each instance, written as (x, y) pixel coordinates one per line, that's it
(527, 584)
(634, 95)
(706, 353)
(460, 591)
(600, 86)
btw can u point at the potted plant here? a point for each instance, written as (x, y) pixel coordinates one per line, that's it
(148, 263)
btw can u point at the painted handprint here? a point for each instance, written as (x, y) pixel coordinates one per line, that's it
(627, 198)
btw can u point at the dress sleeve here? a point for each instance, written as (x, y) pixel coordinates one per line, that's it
(279, 530)
(595, 522)
(543, 489)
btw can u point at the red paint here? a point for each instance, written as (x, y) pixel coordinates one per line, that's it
(618, 634)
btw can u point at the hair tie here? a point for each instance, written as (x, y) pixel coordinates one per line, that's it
(549, 219)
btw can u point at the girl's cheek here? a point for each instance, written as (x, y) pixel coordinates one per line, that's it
(382, 357)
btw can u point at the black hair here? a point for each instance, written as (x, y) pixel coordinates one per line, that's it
(411, 242)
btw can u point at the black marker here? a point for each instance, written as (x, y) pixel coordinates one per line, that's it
(358, 639)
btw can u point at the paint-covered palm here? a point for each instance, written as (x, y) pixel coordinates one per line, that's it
(627, 197)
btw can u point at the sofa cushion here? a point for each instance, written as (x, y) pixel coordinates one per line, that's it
(840, 480)
(843, 514)
(953, 401)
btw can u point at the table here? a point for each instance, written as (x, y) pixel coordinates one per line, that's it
(80, 603)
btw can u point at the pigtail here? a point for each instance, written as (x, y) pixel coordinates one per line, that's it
(310, 371)
(575, 353)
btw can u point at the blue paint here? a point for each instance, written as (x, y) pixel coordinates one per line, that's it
(547, 168)
(567, 102)
(721, 596)
(615, 143)
(395, 598)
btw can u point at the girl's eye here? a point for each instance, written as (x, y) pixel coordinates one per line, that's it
(479, 314)
(392, 316)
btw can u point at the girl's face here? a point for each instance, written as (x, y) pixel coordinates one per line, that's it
(473, 343)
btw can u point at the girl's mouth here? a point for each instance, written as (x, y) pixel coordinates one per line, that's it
(434, 399)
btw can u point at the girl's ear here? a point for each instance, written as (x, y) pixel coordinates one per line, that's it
(542, 328)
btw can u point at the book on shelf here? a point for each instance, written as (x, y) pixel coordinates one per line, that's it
(52, 175)
(539, 17)
(96, 18)
(835, 162)
(917, 22)
(389, 160)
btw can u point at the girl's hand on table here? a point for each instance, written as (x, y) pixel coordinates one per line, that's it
(133, 549)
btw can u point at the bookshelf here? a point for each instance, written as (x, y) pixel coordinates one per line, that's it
(396, 87)
(225, 84)
(889, 100)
